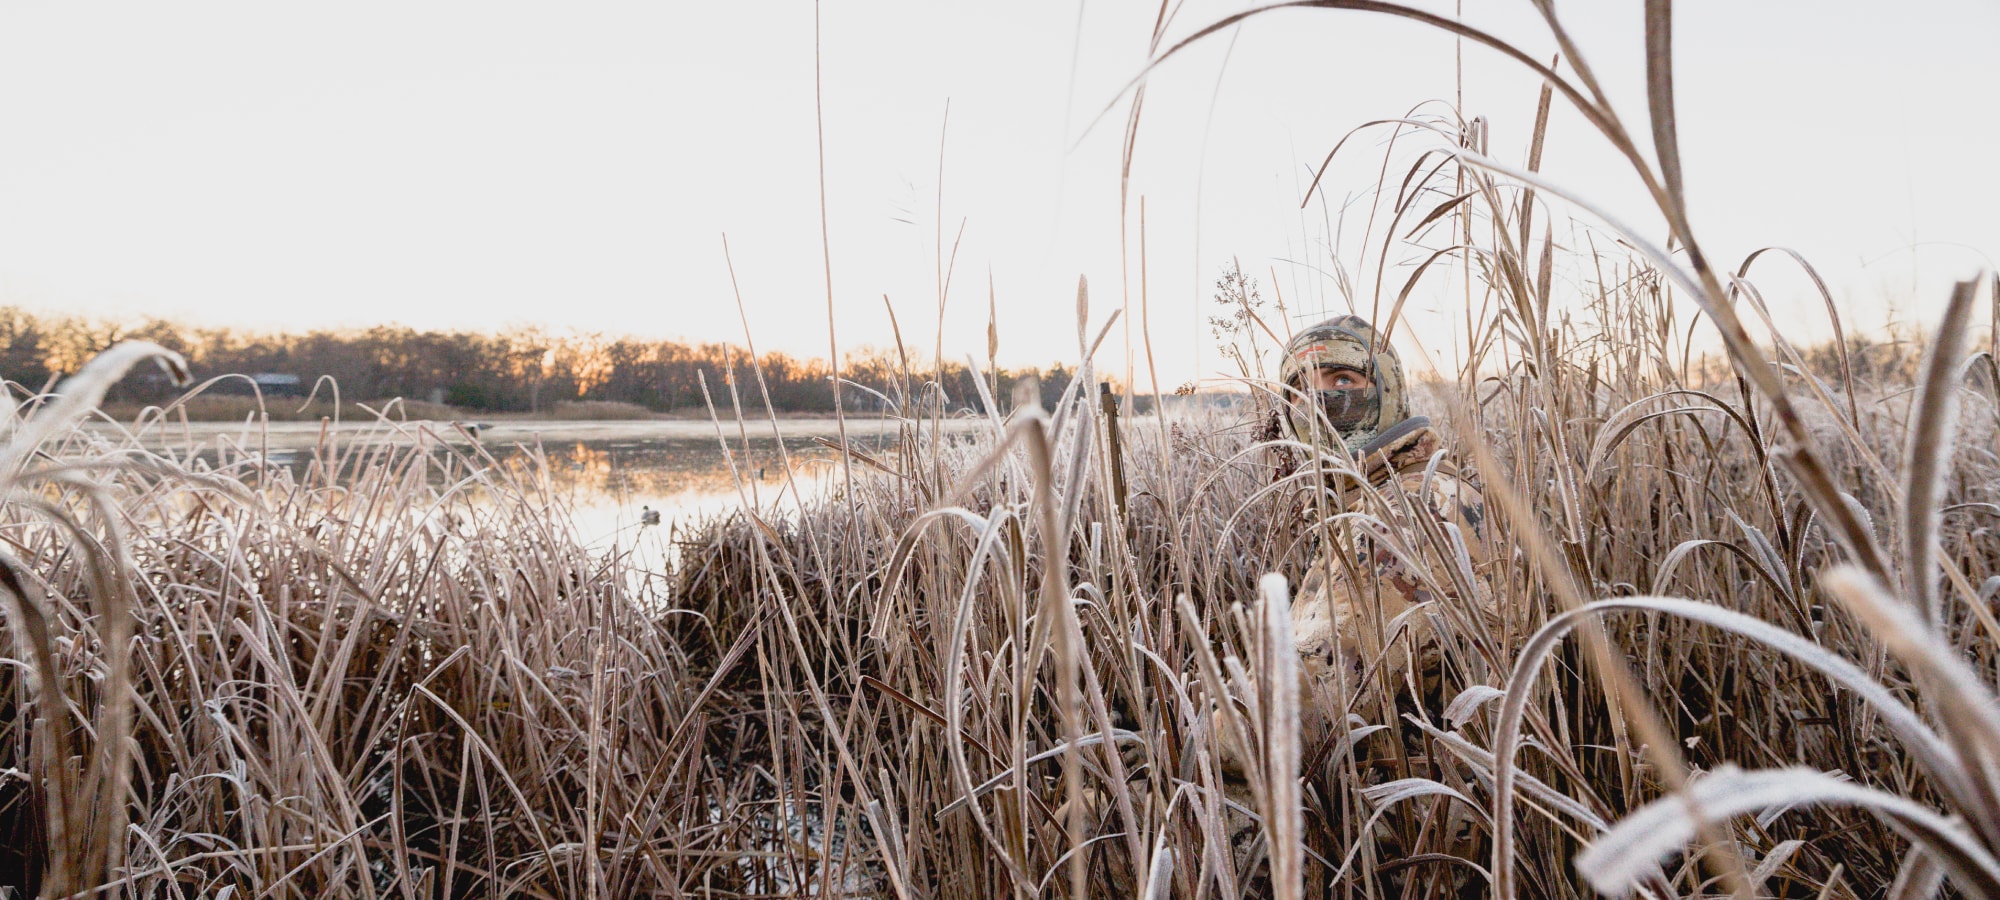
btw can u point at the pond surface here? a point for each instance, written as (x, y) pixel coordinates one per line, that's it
(608, 474)
(609, 484)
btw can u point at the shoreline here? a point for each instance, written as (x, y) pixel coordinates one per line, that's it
(299, 435)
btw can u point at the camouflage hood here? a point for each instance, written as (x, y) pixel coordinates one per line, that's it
(1350, 342)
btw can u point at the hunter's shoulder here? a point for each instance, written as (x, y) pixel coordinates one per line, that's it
(1447, 493)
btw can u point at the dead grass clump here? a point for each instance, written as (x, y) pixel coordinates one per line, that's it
(357, 683)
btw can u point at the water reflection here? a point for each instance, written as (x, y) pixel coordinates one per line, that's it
(661, 473)
(608, 484)
(600, 476)
(605, 484)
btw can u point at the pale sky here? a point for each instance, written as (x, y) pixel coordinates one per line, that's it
(484, 165)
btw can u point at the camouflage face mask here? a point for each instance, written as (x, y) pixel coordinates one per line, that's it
(1350, 409)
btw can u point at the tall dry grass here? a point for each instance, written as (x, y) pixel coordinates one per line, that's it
(1746, 641)
(1642, 481)
(374, 680)
(366, 683)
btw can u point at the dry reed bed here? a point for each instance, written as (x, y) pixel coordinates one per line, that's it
(382, 680)
(360, 682)
(993, 665)
(917, 609)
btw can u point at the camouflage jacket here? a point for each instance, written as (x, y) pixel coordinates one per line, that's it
(1413, 536)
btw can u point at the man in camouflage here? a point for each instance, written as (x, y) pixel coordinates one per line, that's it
(1415, 522)
(1398, 535)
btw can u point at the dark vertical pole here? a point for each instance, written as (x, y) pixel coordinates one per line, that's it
(1109, 403)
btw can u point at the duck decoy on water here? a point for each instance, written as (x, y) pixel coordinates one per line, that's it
(472, 428)
(649, 516)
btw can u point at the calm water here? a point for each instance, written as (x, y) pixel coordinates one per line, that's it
(608, 483)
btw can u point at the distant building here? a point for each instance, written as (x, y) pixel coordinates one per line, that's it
(279, 384)
(269, 384)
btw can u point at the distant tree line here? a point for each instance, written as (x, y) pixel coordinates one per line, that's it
(526, 370)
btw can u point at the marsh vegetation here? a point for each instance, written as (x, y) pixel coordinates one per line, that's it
(1746, 643)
